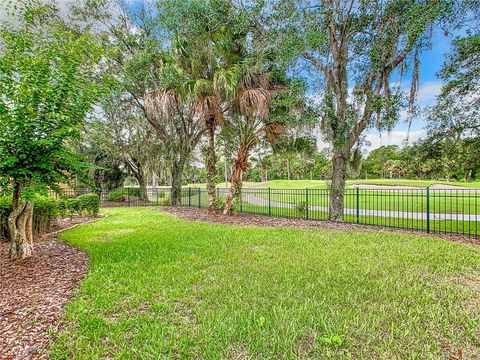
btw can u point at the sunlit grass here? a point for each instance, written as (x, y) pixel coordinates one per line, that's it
(161, 287)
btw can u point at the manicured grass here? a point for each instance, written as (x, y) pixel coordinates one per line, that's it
(441, 201)
(161, 287)
(322, 184)
(414, 183)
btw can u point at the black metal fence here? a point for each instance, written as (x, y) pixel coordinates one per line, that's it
(424, 209)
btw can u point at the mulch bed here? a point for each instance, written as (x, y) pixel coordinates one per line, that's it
(34, 292)
(196, 214)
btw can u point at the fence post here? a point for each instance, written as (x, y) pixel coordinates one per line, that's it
(241, 200)
(269, 203)
(306, 203)
(428, 209)
(199, 198)
(358, 205)
(189, 196)
(128, 196)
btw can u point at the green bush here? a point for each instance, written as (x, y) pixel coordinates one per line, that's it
(166, 202)
(301, 208)
(5, 209)
(45, 212)
(116, 195)
(89, 204)
(220, 203)
(133, 193)
(84, 204)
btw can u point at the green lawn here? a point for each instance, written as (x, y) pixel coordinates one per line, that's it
(161, 287)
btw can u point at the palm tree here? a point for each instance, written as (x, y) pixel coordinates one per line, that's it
(206, 58)
(249, 116)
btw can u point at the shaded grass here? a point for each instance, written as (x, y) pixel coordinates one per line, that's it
(162, 287)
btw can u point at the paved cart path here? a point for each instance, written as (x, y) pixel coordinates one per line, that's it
(254, 200)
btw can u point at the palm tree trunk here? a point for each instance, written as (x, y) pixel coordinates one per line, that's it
(20, 226)
(211, 167)
(239, 167)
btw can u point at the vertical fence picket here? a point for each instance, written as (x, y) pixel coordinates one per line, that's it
(358, 205)
(428, 209)
(269, 202)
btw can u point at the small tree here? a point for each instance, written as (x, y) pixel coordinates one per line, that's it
(46, 88)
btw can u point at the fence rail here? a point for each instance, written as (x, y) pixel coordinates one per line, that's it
(423, 209)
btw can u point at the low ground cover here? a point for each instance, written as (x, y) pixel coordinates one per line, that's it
(160, 286)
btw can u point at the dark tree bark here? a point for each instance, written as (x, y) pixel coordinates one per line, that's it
(339, 167)
(211, 165)
(137, 170)
(20, 227)
(176, 173)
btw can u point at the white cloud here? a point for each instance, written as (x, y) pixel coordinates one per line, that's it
(428, 92)
(64, 7)
(396, 137)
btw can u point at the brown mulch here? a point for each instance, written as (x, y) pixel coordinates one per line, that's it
(34, 292)
(196, 214)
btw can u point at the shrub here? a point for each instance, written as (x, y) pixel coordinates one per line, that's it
(5, 209)
(68, 206)
(116, 195)
(84, 204)
(301, 208)
(220, 203)
(45, 212)
(89, 204)
(166, 202)
(133, 192)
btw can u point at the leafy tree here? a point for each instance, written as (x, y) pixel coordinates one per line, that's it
(47, 86)
(127, 134)
(353, 48)
(107, 170)
(457, 111)
(373, 165)
(144, 63)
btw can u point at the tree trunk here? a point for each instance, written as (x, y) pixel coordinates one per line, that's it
(211, 166)
(142, 184)
(226, 173)
(339, 167)
(236, 180)
(288, 169)
(20, 226)
(176, 173)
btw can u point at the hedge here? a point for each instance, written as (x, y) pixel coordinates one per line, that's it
(47, 209)
(45, 213)
(84, 204)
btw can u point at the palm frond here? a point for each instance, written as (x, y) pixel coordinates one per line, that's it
(160, 104)
(254, 102)
(273, 131)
